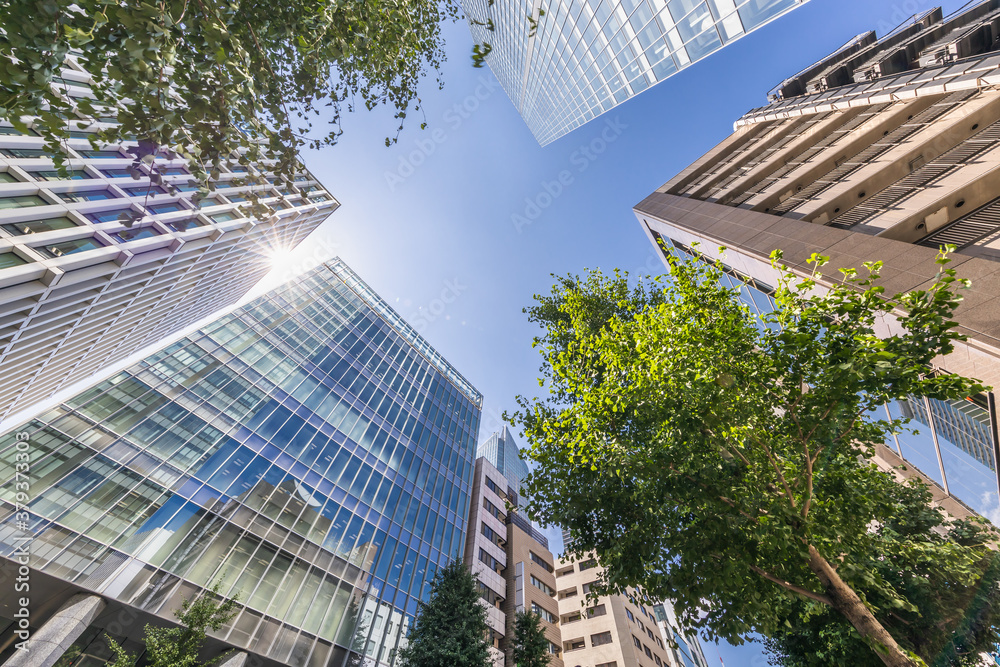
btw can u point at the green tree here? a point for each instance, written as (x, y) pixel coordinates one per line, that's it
(450, 629)
(531, 647)
(212, 80)
(179, 647)
(724, 462)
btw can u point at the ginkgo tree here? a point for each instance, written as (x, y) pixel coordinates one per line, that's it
(726, 463)
(216, 80)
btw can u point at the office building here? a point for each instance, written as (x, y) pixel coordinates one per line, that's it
(309, 452)
(614, 630)
(80, 291)
(512, 561)
(683, 648)
(885, 150)
(565, 62)
(504, 454)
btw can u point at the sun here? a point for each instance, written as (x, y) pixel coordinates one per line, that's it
(281, 259)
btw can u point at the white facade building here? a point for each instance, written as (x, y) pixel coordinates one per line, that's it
(80, 291)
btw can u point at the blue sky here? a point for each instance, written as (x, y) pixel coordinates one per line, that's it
(430, 222)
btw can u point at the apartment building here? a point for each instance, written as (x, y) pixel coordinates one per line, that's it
(885, 150)
(611, 631)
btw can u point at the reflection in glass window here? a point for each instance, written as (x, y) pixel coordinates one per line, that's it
(36, 226)
(13, 131)
(9, 259)
(22, 201)
(86, 195)
(143, 190)
(7, 177)
(70, 247)
(225, 216)
(185, 224)
(135, 234)
(53, 175)
(756, 12)
(106, 216)
(168, 207)
(24, 152)
(101, 155)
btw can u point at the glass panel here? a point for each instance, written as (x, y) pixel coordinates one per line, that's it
(53, 175)
(756, 12)
(9, 259)
(86, 195)
(71, 247)
(35, 226)
(21, 201)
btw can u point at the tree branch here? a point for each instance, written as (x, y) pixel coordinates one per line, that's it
(818, 597)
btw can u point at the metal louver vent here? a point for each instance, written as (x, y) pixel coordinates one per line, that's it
(966, 231)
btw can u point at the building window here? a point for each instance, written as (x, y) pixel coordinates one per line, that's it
(106, 216)
(563, 572)
(117, 173)
(568, 593)
(185, 224)
(554, 649)
(544, 613)
(635, 640)
(540, 561)
(494, 510)
(601, 638)
(53, 175)
(630, 616)
(571, 618)
(490, 561)
(492, 486)
(173, 171)
(135, 234)
(24, 152)
(13, 131)
(143, 190)
(649, 654)
(35, 226)
(9, 259)
(102, 155)
(22, 201)
(70, 247)
(225, 216)
(7, 177)
(542, 586)
(574, 644)
(588, 587)
(491, 596)
(491, 535)
(86, 195)
(588, 564)
(594, 612)
(169, 207)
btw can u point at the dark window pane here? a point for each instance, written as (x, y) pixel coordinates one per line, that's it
(35, 226)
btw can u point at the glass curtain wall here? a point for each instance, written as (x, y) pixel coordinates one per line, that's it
(302, 452)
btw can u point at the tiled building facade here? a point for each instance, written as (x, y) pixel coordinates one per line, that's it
(80, 291)
(309, 453)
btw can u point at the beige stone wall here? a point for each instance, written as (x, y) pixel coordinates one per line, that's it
(520, 569)
(622, 618)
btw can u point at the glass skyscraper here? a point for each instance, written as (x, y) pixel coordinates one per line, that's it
(565, 62)
(501, 450)
(309, 452)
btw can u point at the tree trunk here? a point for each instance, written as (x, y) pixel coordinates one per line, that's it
(847, 602)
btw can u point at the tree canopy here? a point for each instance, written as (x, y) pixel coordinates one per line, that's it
(722, 461)
(450, 628)
(213, 80)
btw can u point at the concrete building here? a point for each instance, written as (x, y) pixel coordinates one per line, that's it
(565, 62)
(504, 454)
(884, 150)
(512, 561)
(308, 451)
(614, 631)
(80, 291)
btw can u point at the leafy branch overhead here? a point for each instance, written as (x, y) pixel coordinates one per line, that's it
(725, 461)
(214, 80)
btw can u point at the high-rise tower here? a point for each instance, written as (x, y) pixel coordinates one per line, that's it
(565, 62)
(885, 150)
(309, 452)
(504, 454)
(80, 291)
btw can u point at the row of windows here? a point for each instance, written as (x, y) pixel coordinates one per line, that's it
(542, 586)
